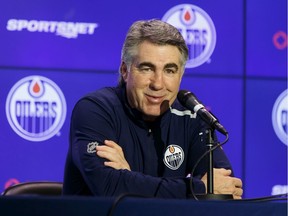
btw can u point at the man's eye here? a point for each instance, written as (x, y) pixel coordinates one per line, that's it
(171, 71)
(145, 69)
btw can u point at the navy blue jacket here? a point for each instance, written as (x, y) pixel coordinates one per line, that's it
(160, 155)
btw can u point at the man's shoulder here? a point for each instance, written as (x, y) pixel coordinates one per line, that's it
(107, 98)
(104, 95)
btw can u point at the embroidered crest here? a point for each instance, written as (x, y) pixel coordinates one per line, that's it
(173, 157)
(91, 147)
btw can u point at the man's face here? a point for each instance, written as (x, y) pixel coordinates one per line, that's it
(153, 79)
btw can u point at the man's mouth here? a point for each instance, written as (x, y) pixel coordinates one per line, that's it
(155, 99)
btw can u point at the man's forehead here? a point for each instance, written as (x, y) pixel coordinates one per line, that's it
(157, 54)
(151, 64)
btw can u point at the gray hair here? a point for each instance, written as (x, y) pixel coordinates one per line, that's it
(156, 32)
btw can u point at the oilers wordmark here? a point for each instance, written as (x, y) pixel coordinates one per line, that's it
(196, 40)
(173, 156)
(35, 116)
(174, 159)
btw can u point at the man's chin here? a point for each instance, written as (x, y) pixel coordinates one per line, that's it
(154, 112)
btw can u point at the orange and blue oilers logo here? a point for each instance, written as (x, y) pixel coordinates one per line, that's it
(36, 108)
(198, 30)
(173, 156)
(280, 117)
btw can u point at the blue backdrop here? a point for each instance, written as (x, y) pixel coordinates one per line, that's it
(50, 48)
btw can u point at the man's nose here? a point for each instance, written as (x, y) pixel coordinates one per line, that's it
(157, 81)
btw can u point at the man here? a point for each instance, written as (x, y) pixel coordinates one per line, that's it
(136, 138)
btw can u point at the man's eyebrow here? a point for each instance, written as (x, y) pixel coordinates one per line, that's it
(149, 64)
(171, 65)
(145, 64)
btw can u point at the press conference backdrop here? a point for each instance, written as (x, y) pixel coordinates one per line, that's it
(53, 52)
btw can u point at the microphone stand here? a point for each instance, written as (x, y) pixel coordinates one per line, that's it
(209, 136)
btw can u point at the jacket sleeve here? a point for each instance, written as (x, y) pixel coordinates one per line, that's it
(91, 124)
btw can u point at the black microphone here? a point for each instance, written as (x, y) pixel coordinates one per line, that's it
(189, 100)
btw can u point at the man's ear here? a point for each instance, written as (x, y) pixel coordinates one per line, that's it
(124, 71)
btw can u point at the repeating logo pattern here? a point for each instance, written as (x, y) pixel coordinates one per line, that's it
(280, 117)
(198, 30)
(36, 108)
